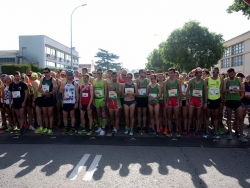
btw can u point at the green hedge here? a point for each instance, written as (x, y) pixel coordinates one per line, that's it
(22, 68)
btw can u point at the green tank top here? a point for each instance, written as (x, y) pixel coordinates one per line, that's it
(213, 87)
(112, 94)
(39, 94)
(154, 92)
(99, 89)
(142, 87)
(197, 90)
(230, 84)
(172, 89)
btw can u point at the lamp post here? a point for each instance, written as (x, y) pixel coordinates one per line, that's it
(71, 34)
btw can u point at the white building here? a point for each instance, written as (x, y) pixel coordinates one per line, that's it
(46, 52)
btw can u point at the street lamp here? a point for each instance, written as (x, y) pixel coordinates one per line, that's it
(71, 34)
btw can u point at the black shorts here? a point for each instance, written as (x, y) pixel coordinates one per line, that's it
(184, 103)
(233, 104)
(213, 104)
(7, 106)
(85, 106)
(38, 102)
(141, 102)
(17, 106)
(1, 105)
(68, 107)
(48, 101)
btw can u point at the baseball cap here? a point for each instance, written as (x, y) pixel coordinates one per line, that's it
(69, 72)
(198, 69)
(63, 72)
(29, 73)
(34, 75)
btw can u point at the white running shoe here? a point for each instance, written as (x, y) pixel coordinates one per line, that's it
(98, 130)
(102, 133)
(32, 127)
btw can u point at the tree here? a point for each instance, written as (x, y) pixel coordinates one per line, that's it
(107, 60)
(193, 46)
(239, 5)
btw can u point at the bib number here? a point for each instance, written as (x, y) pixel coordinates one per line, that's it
(214, 91)
(98, 93)
(16, 94)
(247, 93)
(172, 92)
(45, 88)
(142, 91)
(112, 94)
(233, 87)
(197, 93)
(85, 94)
(129, 90)
(153, 95)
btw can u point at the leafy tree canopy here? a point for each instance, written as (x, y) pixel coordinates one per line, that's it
(239, 5)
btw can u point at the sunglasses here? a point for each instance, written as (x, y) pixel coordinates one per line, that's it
(99, 73)
(129, 77)
(215, 72)
(191, 76)
(45, 72)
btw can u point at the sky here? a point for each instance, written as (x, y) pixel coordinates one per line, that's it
(129, 28)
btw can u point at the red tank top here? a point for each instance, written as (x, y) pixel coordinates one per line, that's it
(122, 81)
(86, 95)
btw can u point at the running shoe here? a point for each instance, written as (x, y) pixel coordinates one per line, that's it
(98, 130)
(138, 130)
(2, 131)
(17, 132)
(64, 131)
(83, 131)
(169, 134)
(131, 133)
(200, 132)
(184, 132)
(243, 139)
(145, 130)
(216, 136)
(230, 136)
(160, 129)
(126, 131)
(45, 131)
(71, 132)
(49, 132)
(165, 132)
(188, 134)
(177, 134)
(25, 126)
(15, 128)
(157, 133)
(89, 133)
(196, 135)
(237, 134)
(31, 127)
(221, 132)
(39, 130)
(205, 135)
(10, 128)
(3, 127)
(102, 133)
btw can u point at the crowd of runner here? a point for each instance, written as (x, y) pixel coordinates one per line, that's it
(187, 104)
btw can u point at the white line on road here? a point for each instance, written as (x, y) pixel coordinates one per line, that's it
(92, 168)
(78, 167)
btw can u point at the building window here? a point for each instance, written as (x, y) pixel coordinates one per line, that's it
(227, 52)
(59, 65)
(237, 61)
(238, 48)
(225, 63)
(5, 60)
(50, 64)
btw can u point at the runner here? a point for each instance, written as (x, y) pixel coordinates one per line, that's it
(184, 108)
(154, 93)
(162, 112)
(85, 71)
(129, 93)
(233, 88)
(100, 92)
(19, 94)
(58, 103)
(70, 95)
(4, 125)
(87, 95)
(246, 100)
(172, 100)
(48, 88)
(196, 92)
(142, 100)
(37, 102)
(214, 99)
(114, 103)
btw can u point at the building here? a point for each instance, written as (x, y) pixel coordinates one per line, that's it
(46, 52)
(9, 57)
(237, 54)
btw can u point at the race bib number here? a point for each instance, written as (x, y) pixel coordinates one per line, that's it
(214, 91)
(247, 93)
(142, 91)
(153, 95)
(161, 98)
(197, 93)
(129, 90)
(172, 92)
(85, 94)
(98, 93)
(7, 101)
(16, 94)
(112, 94)
(233, 87)
(45, 88)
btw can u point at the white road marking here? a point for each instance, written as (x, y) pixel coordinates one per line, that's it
(78, 167)
(92, 168)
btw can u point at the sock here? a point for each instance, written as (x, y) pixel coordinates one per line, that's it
(100, 121)
(104, 121)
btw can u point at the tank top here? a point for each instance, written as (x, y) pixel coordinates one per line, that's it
(6, 95)
(154, 92)
(69, 93)
(39, 94)
(86, 95)
(129, 88)
(112, 94)
(142, 87)
(121, 81)
(245, 100)
(213, 87)
(172, 89)
(99, 89)
(197, 90)
(47, 85)
(230, 84)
